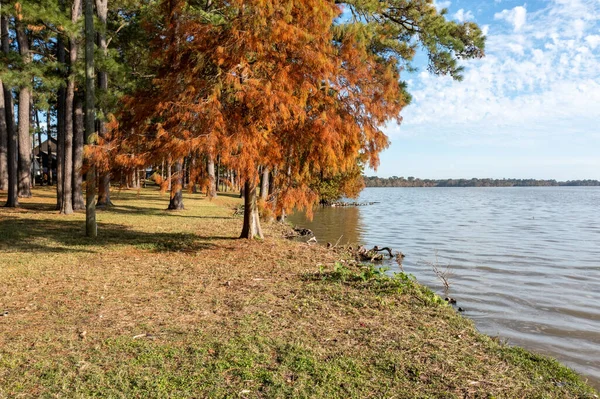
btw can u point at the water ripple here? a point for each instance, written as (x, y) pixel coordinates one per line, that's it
(525, 261)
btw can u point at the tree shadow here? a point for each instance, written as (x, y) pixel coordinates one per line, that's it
(230, 195)
(38, 206)
(56, 236)
(132, 210)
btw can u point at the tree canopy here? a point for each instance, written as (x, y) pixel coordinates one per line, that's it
(302, 89)
(298, 87)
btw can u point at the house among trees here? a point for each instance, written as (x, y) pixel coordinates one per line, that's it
(44, 162)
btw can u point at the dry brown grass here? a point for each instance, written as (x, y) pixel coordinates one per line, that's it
(171, 304)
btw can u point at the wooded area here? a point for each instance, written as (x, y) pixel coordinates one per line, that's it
(210, 95)
(395, 181)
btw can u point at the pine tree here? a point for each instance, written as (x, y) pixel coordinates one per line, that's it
(3, 132)
(67, 176)
(12, 137)
(24, 163)
(78, 143)
(91, 229)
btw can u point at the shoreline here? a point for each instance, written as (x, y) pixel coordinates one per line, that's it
(500, 247)
(483, 187)
(170, 303)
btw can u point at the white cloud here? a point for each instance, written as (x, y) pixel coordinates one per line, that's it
(517, 17)
(534, 83)
(441, 4)
(462, 15)
(579, 27)
(516, 48)
(593, 41)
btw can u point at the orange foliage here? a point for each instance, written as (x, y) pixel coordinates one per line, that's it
(269, 87)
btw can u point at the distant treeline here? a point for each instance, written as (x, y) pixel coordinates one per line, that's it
(395, 181)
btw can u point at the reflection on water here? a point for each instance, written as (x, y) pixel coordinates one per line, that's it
(525, 261)
(331, 224)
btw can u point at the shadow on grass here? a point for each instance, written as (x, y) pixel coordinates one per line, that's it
(230, 195)
(53, 236)
(133, 210)
(38, 206)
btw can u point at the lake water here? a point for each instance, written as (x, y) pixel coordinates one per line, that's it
(525, 262)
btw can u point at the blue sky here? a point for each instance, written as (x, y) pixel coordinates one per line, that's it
(529, 109)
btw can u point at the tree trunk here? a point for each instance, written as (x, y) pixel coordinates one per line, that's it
(104, 190)
(272, 181)
(3, 143)
(3, 129)
(11, 132)
(67, 167)
(176, 202)
(251, 228)
(281, 217)
(12, 151)
(32, 140)
(185, 172)
(169, 175)
(49, 148)
(60, 120)
(24, 164)
(193, 168)
(264, 187)
(3, 137)
(60, 141)
(24, 170)
(212, 190)
(102, 13)
(91, 229)
(67, 200)
(218, 180)
(78, 133)
(39, 132)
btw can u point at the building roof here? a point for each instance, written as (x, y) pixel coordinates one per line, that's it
(44, 147)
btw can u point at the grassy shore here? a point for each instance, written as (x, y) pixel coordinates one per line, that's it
(171, 305)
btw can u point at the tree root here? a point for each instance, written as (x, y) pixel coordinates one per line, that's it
(299, 232)
(373, 255)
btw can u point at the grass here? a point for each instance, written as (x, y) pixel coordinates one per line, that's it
(170, 305)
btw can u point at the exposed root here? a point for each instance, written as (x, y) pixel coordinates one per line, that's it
(362, 254)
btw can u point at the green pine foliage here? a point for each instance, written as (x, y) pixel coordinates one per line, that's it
(399, 28)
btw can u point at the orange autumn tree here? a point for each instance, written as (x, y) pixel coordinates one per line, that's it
(151, 127)
(266, 83)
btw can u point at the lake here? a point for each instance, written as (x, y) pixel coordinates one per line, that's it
(525, 261)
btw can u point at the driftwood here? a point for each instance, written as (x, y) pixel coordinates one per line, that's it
(346, 204)
(299, 232)
(377, 249)
(372, 255)
(302, 232)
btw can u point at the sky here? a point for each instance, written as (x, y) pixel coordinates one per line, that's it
(529, 109)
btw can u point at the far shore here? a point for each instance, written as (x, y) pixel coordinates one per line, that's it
(374, 181)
